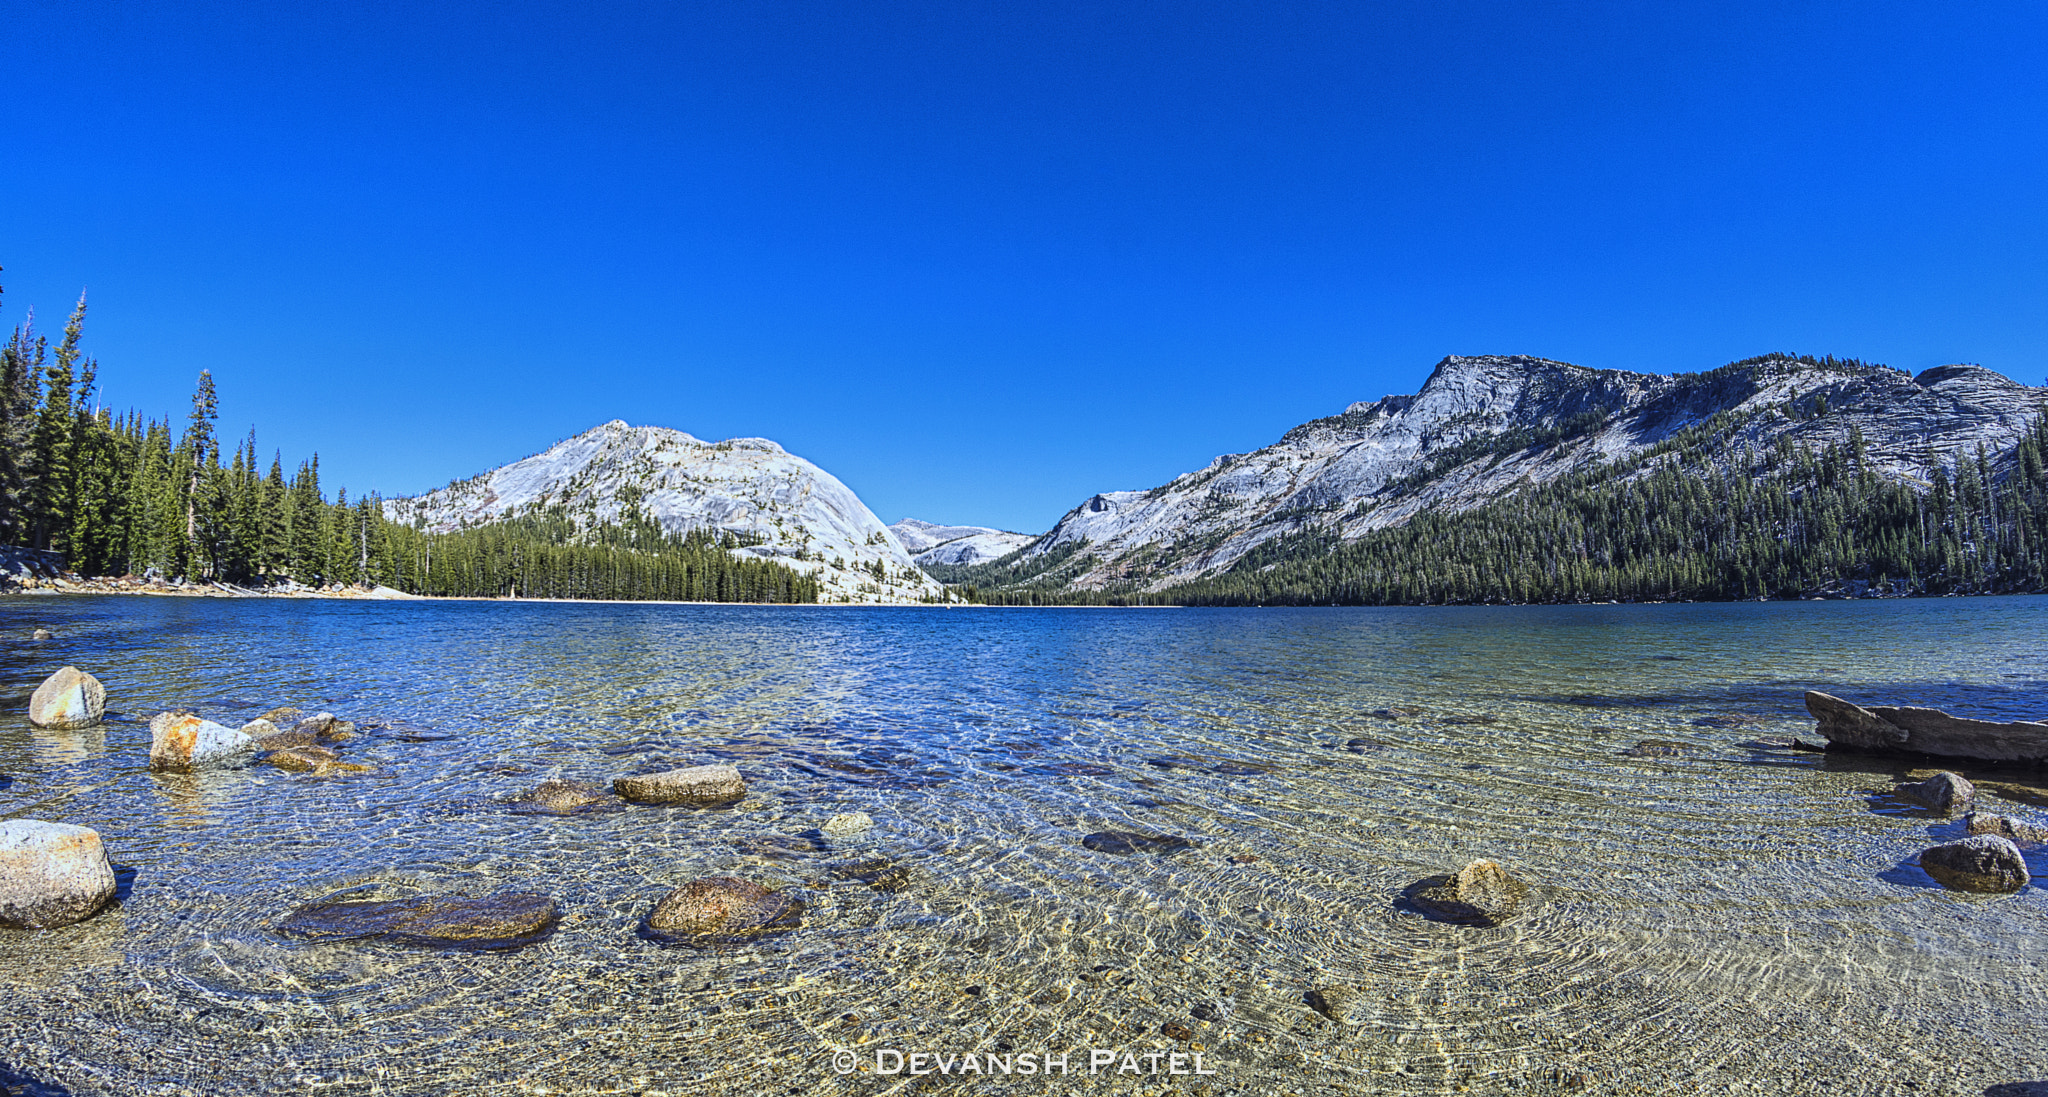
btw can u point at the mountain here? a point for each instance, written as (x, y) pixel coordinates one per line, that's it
(935, 545)
(1485, 428)
(782, 507)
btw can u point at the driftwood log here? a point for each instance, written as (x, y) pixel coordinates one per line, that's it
(1906, 730)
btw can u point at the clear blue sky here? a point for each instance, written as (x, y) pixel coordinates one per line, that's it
(981, 260)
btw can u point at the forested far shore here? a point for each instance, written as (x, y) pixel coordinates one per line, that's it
(117, 495)
(1784, 522)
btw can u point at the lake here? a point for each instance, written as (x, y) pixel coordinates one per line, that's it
(1744, 918)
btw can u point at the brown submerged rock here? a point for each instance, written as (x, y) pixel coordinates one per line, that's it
(303, 759)
(1124, 841)
(505, 920)
(2017, 831)
(558, 797)
(696, 785)
(722, 908)
(281, 740)
(1657, 748)
(282, 717)
(1480, 894)
(1944, 792)
(1986, 862)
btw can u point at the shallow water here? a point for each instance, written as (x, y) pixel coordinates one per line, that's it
(1745, 919)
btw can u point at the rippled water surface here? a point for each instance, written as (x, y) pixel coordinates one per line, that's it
(1744, 919)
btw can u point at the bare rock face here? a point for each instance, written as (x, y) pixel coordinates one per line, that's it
(69, 698)
(2017, 831)
(696, 785)
(1480, 894)
(1985, 862)
(1944, 792)
(44, 634)
(325, 727)
(722, 908)
(505, 920)
(51, 874)
(180, 742)
(1927, 731)
(557, 797)
(260, 729)
(280, 740)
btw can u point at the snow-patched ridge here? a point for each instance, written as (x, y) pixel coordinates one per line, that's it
(931, 543)
(1447, 448)
(806, 518)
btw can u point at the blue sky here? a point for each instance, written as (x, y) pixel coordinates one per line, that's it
(982, 260)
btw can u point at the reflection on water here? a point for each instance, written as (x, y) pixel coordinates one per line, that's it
(1724, 916)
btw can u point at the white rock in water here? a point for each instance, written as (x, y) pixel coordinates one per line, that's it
(847, 824)
(51, 874)
(70, 698)
(180, 741)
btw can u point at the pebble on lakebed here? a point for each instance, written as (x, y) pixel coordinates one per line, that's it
(51, 874)
(70, 698)
(698, 785)
(715, 909)
(1480, 894)
(507, 919)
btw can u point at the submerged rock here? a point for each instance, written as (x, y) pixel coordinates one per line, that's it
(505, 920)
(847, 824)
(879, 874)
(180, 741)
(1914, 730)
(51, 874)
(1362, 745)
(558, 797)
(280, 740)
(70, 698)
(326, 727)
(282, 716)
(2013, 830)
(1346, 1005)
(711, 909)
(1657, 748)
(303, 759)
(1986, 862)
(1123, 841)
(1480, 894)
(1944, 792)
(699, 785)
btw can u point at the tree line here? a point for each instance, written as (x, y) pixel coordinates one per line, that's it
(124, 495)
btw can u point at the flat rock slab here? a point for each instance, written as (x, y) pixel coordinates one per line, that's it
(698, 785)
(51, 874)
(70, 698)
(306, 759)
(508, 919)
(1927, 731)
(715, 909)
(1480, 894)
(1985, 862)
(1124, 841)
(180, 742)
(559, 797)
